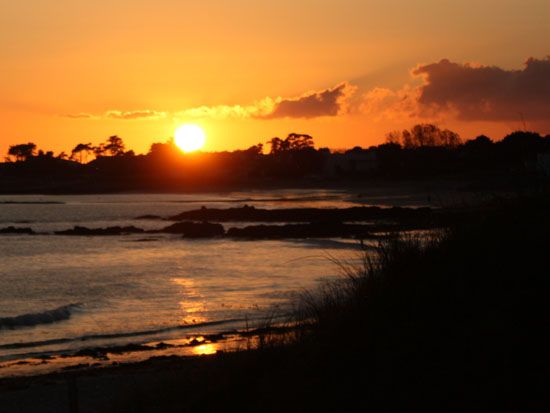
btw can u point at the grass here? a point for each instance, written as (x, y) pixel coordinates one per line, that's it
(454, 321)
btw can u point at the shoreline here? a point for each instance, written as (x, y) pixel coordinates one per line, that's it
(105, 357)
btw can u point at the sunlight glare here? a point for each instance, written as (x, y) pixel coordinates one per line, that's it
(189, 138)
(205, 349)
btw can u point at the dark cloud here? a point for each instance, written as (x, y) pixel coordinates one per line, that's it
(487, 92)
(329, 102)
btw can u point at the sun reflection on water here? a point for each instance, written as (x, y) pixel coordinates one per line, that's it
(204, 349)
(193, 304)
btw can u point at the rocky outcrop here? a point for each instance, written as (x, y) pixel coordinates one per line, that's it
(252, 214)
(311, 230)
(195, 229)
(77, 230)
(150, 217)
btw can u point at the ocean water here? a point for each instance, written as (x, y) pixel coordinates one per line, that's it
(63, 293)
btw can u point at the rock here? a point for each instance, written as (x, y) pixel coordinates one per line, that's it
(101, 231)
(251, 214)
(150, 217)
(195, 229)
(311, 230)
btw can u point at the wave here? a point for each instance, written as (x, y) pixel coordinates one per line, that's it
(34, 319)
(131, 334)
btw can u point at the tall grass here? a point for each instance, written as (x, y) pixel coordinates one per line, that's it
(454, 318)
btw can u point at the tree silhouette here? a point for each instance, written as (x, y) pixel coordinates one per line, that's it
(23, 151)
(115, 146)
(99, 150)
(82, 150)
(299, 142)
(293, 142)
(425, 135)
(42, 154)
(255, 149)
(276, 145)
(163, 149)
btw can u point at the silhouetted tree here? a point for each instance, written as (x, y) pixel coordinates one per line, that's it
(82, 150)
(482, 142)
(424, 135)
(163, 149)
(255, 149)
(115, 146)
(293, 142)
(62, 155)
(393, 137)
(277, 145)
(42, 154)
(521, 139)
(99, 150)
(23, 151)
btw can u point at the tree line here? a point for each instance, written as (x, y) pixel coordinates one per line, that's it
(113, 146)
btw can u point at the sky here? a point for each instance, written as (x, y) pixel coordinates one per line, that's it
(344, 71)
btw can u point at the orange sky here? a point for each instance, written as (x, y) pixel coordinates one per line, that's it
(78, 71)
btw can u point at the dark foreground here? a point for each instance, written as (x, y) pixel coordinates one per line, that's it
(456, 323)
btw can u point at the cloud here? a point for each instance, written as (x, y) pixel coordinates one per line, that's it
(122, 115)
(136, 114)
(256, 110)
(477, 92)
(447, 91)
(81, 115)
(381, 104)
(329, 102)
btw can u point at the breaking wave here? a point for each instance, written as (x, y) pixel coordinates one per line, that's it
(34, 319)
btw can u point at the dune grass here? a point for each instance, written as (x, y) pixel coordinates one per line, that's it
(452, 320)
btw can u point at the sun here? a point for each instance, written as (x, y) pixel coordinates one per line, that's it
(189, 138)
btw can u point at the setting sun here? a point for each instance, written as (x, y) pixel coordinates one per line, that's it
(190, 138)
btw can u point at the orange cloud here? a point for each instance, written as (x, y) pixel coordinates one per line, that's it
(329, 102)
(136, 114)
(256, 110)
(382, 104)
(117, 114)
(466, 92)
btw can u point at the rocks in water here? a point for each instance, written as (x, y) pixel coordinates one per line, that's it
(195, 229)
(102, 352)
(311, 230)
(251, 214)
(15, 230)
(101, 231)
(150, 217)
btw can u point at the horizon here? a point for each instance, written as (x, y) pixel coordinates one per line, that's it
(178, 148)
(344, 72)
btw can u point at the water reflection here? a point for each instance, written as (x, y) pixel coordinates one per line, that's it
(204, 349)
(193, 304)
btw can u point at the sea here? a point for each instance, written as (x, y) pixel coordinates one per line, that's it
(61, 294)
